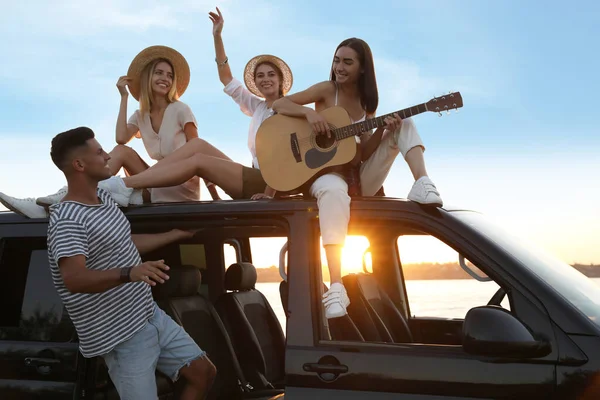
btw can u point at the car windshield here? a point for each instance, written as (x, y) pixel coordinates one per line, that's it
(578, 289)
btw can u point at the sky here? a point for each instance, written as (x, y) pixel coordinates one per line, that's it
(522, 150)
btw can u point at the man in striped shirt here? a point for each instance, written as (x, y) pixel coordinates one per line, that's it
(98, 272)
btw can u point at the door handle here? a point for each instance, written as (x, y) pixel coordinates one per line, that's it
(328, 368)
(43, 366)
(325, 368)
(41, 362)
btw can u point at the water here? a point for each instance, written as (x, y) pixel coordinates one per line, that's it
(427, 298)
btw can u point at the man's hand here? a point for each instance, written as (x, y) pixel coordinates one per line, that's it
(150, 272)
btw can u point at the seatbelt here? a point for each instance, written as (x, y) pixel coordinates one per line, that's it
(242, 382)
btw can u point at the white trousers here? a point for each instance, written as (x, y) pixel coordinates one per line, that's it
(331, 190)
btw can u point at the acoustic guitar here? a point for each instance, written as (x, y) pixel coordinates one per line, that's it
(291, 155)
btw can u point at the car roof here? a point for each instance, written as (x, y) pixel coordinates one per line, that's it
(221, 207)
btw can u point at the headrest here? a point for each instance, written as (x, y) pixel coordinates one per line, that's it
(183, 281)
(240, 276)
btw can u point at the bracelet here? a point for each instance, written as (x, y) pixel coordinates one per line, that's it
(126, 274)
(220, 64)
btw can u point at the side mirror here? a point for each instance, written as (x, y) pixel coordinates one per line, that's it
(493, 331)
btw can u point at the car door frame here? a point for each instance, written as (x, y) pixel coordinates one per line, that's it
(408, 368)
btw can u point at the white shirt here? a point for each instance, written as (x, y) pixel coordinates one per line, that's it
(170, 137)
(253, 107)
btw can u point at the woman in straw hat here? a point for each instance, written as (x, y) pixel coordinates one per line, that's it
(267, 79)
(265, 76)
(156, 78)
(353, 86)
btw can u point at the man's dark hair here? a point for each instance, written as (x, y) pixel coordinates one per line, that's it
(64, 143)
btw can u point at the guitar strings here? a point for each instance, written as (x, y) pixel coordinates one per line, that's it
(309, 139)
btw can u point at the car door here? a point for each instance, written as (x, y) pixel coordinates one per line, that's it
(38, 350)
(319, 368)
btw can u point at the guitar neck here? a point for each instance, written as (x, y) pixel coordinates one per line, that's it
(359, 128)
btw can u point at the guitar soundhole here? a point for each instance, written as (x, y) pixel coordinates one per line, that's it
(324, 142)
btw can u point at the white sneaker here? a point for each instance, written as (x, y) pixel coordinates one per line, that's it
(26, 207)
(137, 197)
(47, 201)
(117, 189)
(425, 192)
(336, 301)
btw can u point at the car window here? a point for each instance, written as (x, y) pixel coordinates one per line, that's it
(436, 285)
(35, 312)
(569, 283)
(265, 258)
(355, 257)
(193, 254)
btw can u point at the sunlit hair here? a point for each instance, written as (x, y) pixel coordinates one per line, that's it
(146, 94)
(367, 83)
(277, 70)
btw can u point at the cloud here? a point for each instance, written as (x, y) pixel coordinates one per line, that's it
(63, 58)
(90, 17)
(403, 83)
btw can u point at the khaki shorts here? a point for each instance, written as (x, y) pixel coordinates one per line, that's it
(252, 182)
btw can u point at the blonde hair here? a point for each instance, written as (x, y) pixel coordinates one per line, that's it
(146, 95)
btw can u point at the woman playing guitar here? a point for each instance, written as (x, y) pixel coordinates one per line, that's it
(353, 86)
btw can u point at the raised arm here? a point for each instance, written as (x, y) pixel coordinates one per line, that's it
(124, 131)
(234, 88)
(221, 58)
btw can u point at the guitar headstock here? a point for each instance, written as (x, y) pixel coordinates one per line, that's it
(446, 102)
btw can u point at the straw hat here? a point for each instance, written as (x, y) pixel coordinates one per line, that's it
(146, 56)
(288, 79)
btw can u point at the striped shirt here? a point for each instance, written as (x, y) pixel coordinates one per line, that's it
(102, 234)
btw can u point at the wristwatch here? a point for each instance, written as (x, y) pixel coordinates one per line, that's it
(125, 274)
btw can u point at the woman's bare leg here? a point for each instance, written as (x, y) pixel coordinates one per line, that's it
(126, 157)
(191, 148)
(333, 252)
(416, 162)
(223, 173)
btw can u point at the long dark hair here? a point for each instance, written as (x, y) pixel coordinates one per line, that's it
(367, 83)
